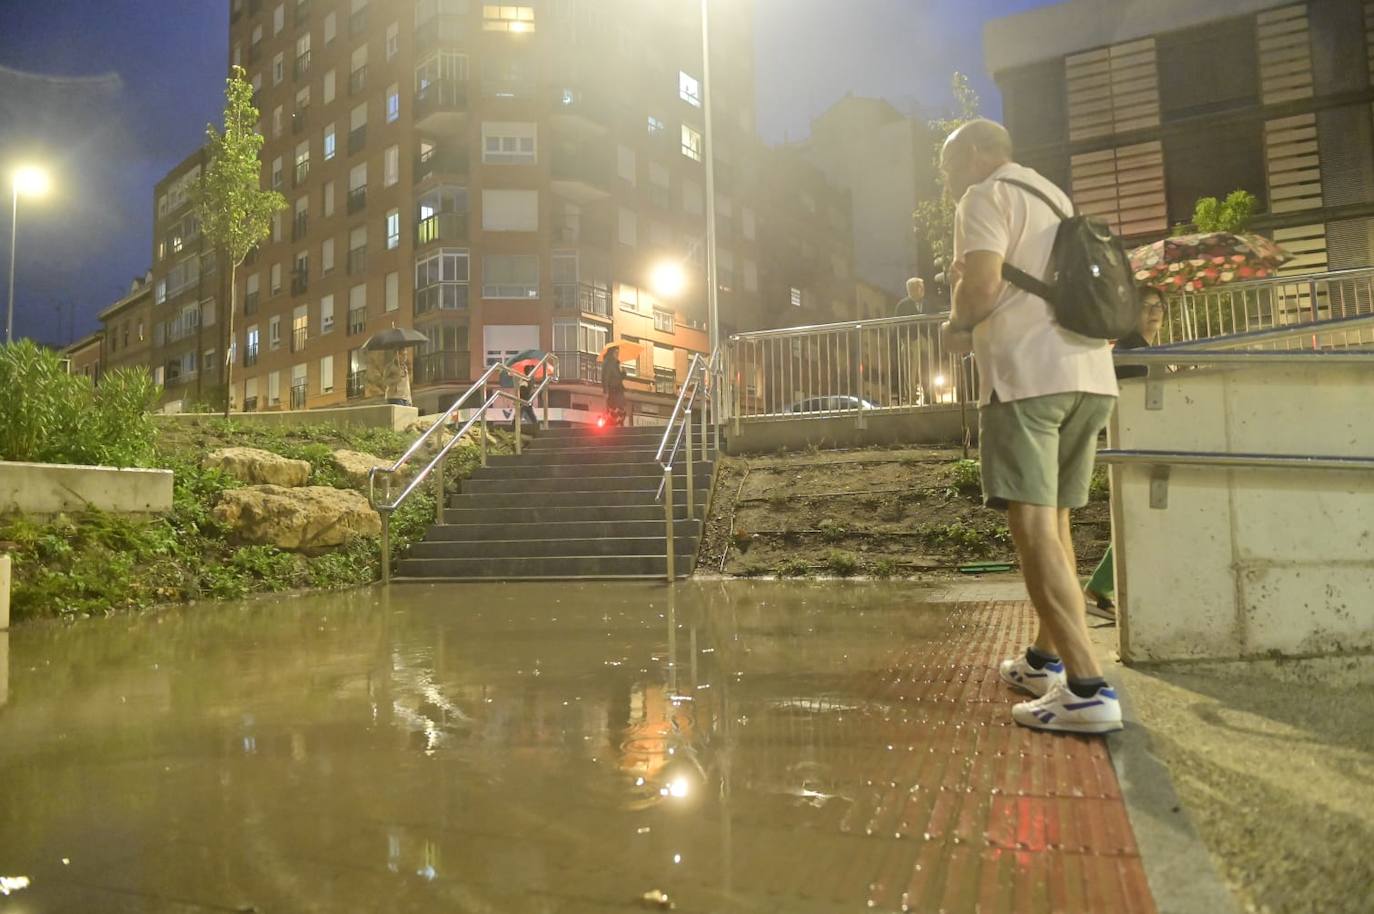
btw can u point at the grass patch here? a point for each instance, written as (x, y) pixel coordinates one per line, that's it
(841, 564)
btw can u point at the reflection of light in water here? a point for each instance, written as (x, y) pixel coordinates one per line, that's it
(679, 788)
(393, 853)
(677, 858)
(10, 884)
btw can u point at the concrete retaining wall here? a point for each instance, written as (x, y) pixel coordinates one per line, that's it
(1247, 562)
(46, 489)
(930, 425)
(376, 415)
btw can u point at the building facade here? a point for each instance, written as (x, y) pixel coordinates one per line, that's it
(127, 339)
(1140, 109)
(84, 356)
(499, 177)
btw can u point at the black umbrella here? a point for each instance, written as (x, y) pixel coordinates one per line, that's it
(394, 339)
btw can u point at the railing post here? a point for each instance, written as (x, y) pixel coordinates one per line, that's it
(671, 549)
(439, 496)
(705, 408)
(519, 405)
(691, 470)
(545, 426)
(386, 547)
(484, 433)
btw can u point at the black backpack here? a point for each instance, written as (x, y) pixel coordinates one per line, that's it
(1091, 286)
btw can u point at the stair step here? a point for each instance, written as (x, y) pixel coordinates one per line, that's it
(570, 470)
(558, 530)
(576, 455)
(534, 486)
(642, 498)
(544, 548)
(575, 515)
(549, 568)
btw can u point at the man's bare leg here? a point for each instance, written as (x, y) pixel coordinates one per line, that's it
(1043, 545)
(1043, 643)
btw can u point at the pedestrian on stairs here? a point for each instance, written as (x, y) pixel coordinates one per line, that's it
(613, 385)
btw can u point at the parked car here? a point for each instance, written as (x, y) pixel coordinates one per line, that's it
(829, 405)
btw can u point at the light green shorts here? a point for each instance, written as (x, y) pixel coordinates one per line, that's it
(1040, 451)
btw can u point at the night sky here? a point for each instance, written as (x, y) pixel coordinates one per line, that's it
(112, 93)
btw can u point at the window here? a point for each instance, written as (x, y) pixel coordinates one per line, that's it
(663, 321)
(278, 68)
(579, 336)
(250, 299)
(657, 127)
(276, 278)
(391, 166)
(439, 69)
(393, 40)
(393, 230)
(1206, 70)
(331, 142)
(510, 210)
(276, 226)
(1112, 90)
(509, 143)
(279, 18)
(302, 162)
(357, 250)
(277, 173)
(689, 89)
(274, 389)
(628, 298)
(691, 143)
(503, 343)
(692, 198)
(278, 121)
(328, 194)
(327, 314)
(357, 71)
(300, 327)
(331, 28)
(357, 309)
(503, 18)
(274, 333)
(393, 291)
(329, 87)
(327, 375)
(393, 103)
(796, 296)
(625, 164)
(441, 281)
(628, 227)
(510, 276)
(1124, 187)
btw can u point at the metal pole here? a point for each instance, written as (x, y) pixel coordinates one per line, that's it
(705, 407)
(668, 516)
(386, 547)
(545, 426)
(14, 235)
(484, 434)
(712, 286)
(691, 470)
(439, 496)
(519, 404)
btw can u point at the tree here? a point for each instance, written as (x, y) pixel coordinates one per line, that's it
(1230, 215)
(235, 212)
(934, 219)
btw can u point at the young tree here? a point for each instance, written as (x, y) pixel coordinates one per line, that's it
(235, 212)
(934, 219)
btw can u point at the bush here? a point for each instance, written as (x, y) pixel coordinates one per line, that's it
(966, 477)
(50, 416)
(841, 564)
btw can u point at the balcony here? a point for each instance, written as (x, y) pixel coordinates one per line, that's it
(357, 261)
(299, 337)
(302, 172)
(582, 297)
(439, 162)
(300, 226)
(578, 366)
(357, 199)
(250, 404)
(298, 395)
(357, 383)
(302, 68)
(443, 367)
(300, 120)
(442, 107)
(581, 113)
(582, 176)
(441, 227)
(250, 356)
(300, 282)
(301, 14)
(665, 381)
(357, 321)
(444, 296)
(357, 139)
(357, 81)
(440, 31)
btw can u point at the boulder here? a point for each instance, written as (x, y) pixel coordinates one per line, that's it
(302, 519)
(355, 466)
(258, 468)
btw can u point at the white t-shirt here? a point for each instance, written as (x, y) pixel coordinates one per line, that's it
(1021, 350)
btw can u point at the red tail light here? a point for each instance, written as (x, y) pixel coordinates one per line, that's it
(600, 421)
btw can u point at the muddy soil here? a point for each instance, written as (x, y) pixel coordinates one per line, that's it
(882, 513)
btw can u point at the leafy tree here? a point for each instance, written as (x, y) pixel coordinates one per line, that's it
(235, 212)
(934, 219)
(1230, 215)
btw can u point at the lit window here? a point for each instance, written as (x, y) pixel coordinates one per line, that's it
(393, 230)
(278, 69)
(691, 143)
(502, 18)
(689, 89)
(656, 127)
(331, 143)
(393, 104)
(391, 162)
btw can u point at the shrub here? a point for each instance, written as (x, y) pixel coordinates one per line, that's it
(793, 568)
(1100, 488)
(965, 475)
(832, 531)
(842, 564)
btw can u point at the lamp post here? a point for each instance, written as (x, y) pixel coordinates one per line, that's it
(712, 286)
(32, 182)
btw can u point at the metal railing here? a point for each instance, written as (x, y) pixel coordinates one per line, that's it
(1341, 333)
(547, 367)
(702, 375)
(843, 369)
(1277, 302)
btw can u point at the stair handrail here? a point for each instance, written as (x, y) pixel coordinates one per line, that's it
(387, 508)
(699, 371)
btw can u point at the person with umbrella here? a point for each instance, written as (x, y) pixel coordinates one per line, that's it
(396, 376)
(613, 378)
(528, 367)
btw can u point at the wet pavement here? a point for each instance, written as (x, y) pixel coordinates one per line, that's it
(741, 747)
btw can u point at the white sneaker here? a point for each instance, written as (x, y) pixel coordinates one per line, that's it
(1019, 674)
(1061, 710)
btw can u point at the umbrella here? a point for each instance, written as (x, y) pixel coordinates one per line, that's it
(526, 363)
(1191, 263)
(626, 350)
(394, 339)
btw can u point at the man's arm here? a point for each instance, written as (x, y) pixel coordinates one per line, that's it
(978, 282)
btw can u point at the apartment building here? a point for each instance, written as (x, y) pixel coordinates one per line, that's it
(127, 339)
(1139, 109)
(499, 177)
(85, 355)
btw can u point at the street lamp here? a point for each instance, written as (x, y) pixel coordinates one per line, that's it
(668, 279)
(31, 182)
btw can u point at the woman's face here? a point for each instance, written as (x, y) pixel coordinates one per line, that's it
(1151, 314)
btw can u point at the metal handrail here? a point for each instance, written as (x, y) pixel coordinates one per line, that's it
(842, 325)
(1276, 334)
(1235, 461)
(698, 371)
(388, 508)
(1151, 357)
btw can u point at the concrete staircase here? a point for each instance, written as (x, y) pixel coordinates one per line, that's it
(579, 503)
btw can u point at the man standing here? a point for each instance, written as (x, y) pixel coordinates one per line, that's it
(915, 302)
(1046, 394)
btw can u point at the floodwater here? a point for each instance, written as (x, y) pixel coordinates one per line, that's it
(530, 748)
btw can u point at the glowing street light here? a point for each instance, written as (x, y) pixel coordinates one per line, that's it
(668, 279)
(29, 182)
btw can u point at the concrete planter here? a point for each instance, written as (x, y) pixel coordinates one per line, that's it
(377, 415)
(48, 489)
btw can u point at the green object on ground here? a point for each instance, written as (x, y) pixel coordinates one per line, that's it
(985, 567)
(1103, 581)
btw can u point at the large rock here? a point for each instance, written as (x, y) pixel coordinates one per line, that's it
(356, 465)
(303, 519)
(258, 468)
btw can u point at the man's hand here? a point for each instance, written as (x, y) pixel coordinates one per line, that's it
(955, 340)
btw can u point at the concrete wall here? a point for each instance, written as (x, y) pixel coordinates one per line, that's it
(46, 489)
(377, 415)
(1246, 562)
(932, 425)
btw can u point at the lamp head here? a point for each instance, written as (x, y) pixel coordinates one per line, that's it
(668, 279)
(31, 182)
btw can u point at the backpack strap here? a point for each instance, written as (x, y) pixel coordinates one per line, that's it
(1016, 276)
